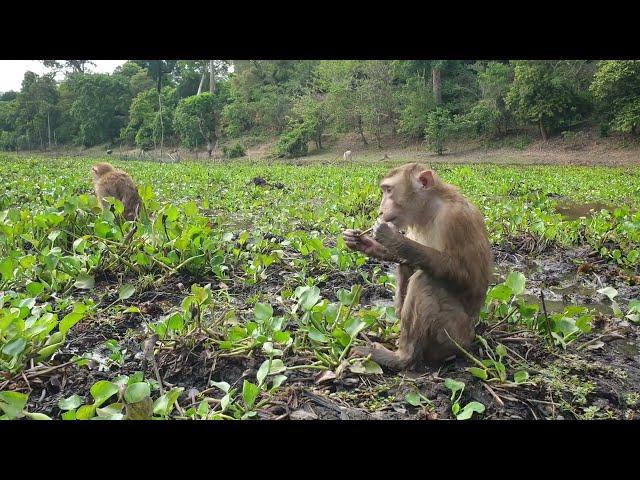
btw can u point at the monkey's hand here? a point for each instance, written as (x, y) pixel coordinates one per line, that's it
(364, 244)
(387, 235)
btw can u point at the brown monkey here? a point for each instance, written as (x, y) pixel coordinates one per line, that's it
(444, 265)
(111, 182)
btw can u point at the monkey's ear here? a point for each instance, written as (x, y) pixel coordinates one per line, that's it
(426, 178)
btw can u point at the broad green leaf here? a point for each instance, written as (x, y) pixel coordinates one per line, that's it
(15, 347)
(521, 376)
(413, 398)
(478, 372)
(164, 405)
(85, 282)
(102, 390)
(515, 281)
(71, 403)
(469, 410)
(126, 291)
(136, 392)
(262, 312)
(249, 393)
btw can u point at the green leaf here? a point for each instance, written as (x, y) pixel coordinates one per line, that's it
(262, 312)
(13, 403)
(6, 269)
(478, 372)
(453, 385)
(69, 321)
(103, 390)
(136, 392)
(126, 291)
(372, 367)
(70, 415)
(35, 288)
(521, 376)
(263, 371)
(85, 412)
(224, 386)
(500, 292)
(15, 347)
(85, 282)
(515, 281)
(37, 416)
(317, 336)
(164, 405)
(469, 410)
(71, 403)
(277, 381)
(413, 398)
(281, 337)
(249, 394)
(308, 297)
(501, 350)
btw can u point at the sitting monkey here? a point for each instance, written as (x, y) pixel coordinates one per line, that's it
(444, 265)
(110, 182)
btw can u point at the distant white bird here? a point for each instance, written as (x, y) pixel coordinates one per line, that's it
(347, 155)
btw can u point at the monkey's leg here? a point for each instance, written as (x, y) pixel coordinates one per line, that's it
(455, 322)
(398, 360)
(403, 273)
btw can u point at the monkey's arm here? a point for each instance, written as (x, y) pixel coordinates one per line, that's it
(437, 264)
(414, 254)
(366, 244)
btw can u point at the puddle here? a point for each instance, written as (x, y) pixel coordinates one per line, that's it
(573, 210)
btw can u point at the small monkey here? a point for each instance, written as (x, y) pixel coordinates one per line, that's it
(111, 182)
(444, 265)
(347, 155)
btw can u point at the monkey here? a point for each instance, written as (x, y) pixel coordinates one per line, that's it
(111, 182)
(444, 266)
(347, 155)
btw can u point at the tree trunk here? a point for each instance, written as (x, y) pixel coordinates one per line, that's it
(49, 129)
(212, 78)
(209, 146)
(201, 83)
(361, 131)
(543, 131)
(161, 125)
(437, 85)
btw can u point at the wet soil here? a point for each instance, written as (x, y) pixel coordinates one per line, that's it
(597, 376)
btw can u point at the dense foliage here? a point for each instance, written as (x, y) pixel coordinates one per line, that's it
(300, 101)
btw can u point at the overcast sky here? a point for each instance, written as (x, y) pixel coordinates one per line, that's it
(12, 71)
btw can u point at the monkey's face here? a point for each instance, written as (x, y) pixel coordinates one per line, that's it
(392, 206)
(405, 194)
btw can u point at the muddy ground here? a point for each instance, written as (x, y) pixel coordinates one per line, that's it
(597, 376)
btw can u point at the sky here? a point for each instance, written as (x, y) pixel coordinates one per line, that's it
(12, 71)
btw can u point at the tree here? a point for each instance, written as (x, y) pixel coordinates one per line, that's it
(100, 106)
(616, 87)
(539, 94)
(36, 109)
(345, 100)
(74, 66)
(195, 121)
(489, 116)
(439, 126)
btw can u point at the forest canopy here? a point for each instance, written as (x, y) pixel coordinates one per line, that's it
(195, 103)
